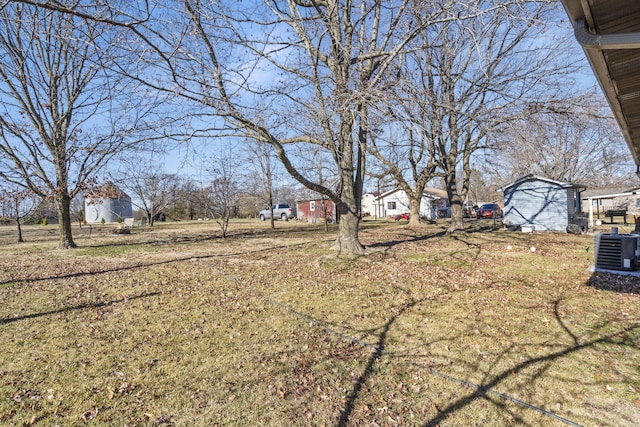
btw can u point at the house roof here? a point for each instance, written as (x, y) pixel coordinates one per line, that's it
(442, 194)
(532, 177)
(604, 192)
(609, 33)
(432, 193)
(319, 199)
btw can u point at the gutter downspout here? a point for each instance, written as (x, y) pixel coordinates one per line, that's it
(595, 47)
(588, 40)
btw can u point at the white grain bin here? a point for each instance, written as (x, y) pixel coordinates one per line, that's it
(106, 204)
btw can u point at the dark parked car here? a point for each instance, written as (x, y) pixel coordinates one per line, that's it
(489, 210)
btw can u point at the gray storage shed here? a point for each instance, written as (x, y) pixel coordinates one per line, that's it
(543, 203)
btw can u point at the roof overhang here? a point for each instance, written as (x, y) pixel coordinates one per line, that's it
(610, 196)
(609, 33)
(532, 177)
(425, 195)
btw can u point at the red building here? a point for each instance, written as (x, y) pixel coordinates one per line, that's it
(316, 210)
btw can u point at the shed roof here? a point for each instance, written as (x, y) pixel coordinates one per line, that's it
(532, 177)
(609, 33)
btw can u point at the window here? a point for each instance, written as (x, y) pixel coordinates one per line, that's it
(312, 205)
(391, 205)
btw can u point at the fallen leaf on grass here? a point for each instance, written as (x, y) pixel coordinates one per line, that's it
(162, 419)
(90, 414)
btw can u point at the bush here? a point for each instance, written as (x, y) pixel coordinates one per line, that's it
(574, 229)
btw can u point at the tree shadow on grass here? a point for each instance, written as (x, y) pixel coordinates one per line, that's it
(414, 238)
(473, 228)
(145, 265)
(379, 351)
(97, 272)
(173, 237)
(486, 391)
(77, 307)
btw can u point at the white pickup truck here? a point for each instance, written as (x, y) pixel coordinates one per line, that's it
(280, 211)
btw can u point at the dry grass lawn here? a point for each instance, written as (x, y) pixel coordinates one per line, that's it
(175, 326)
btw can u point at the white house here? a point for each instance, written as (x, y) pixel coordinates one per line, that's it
(396, 202)
(370, 205)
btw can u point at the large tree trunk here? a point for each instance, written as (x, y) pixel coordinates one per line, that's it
(456, 216)
(64, 221)
(347, 242)
(455, 198)
(455, 202)
(414, 211)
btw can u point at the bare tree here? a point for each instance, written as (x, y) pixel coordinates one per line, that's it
(261, 157)
(223, 193)
(407, 154)
(151, 189)
(330, 57)
(301, 73)
(576, 140)
(76, 209)
(63, 115)
(18, 203)
(483, 186)
(468, 78)
(311, 73)
(185, 201)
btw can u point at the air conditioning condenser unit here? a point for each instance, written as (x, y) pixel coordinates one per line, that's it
(617, 251)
